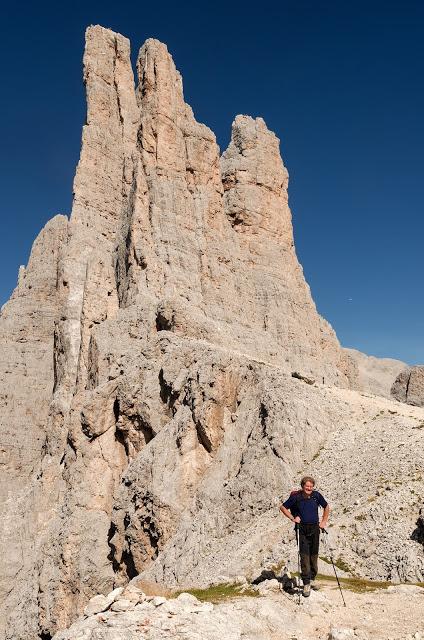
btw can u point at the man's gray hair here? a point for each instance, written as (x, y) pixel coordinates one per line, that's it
(306, 479)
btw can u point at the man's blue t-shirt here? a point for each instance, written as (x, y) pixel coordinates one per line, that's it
(306, 508)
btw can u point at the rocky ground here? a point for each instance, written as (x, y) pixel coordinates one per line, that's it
(370, 470)
(393, 613)
(372, 475)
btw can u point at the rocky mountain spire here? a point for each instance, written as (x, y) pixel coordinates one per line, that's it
(148, 352)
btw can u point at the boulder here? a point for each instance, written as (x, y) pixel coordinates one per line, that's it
(409, 386)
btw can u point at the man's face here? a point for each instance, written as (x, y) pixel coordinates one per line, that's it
(308, 487)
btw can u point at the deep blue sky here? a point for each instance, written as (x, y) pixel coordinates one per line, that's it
(340, 83)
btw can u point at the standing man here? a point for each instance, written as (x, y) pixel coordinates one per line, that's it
(302, 509)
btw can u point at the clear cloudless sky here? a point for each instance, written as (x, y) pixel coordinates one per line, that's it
(341, 84)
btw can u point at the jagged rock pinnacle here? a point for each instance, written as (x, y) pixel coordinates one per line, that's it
(149, 413)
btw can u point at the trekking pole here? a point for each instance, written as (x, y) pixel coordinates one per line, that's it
(296, 529)
(332, 562)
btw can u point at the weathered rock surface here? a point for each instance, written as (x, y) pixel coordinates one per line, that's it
(26, 379)
(376, 508)
(379, 615)
(409, 386)
(150, 419)
(376, 375)
(226, 520)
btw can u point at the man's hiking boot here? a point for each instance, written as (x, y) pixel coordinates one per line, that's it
(315, 586)
(306, 590)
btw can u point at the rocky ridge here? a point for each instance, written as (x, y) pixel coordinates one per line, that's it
(150, 415)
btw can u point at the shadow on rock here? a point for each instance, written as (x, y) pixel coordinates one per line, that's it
(288, 583)
(418, 534)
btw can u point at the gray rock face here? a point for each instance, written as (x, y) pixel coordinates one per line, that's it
(26, 379)
(26, 356)
(409, 386)
(150, 419)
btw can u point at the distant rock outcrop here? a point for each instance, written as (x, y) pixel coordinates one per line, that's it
(150, 419)
(409, 386)
(376, 375)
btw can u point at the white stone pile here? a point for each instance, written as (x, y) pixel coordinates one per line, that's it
(130, 614)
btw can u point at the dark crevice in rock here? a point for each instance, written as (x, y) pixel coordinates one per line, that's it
(126, 254)
(85, 428)
(167, 394)
(58, 355)
(128, 243)
(45, 635)
(128, 562)
(45, 447)
(70, 443)
(147, 431)
(162, 323)
(249, 439)
(407, 387)
(418, 534)
(112, 552)
(274, 451)
(149, 526)
(92, 368)
(115, 84)
(116, 409)
(236, 219)
(119, 437)
(202, 437)
(263, 415)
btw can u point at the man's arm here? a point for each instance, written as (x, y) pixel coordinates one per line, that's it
(324, 519)
(288, 515)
